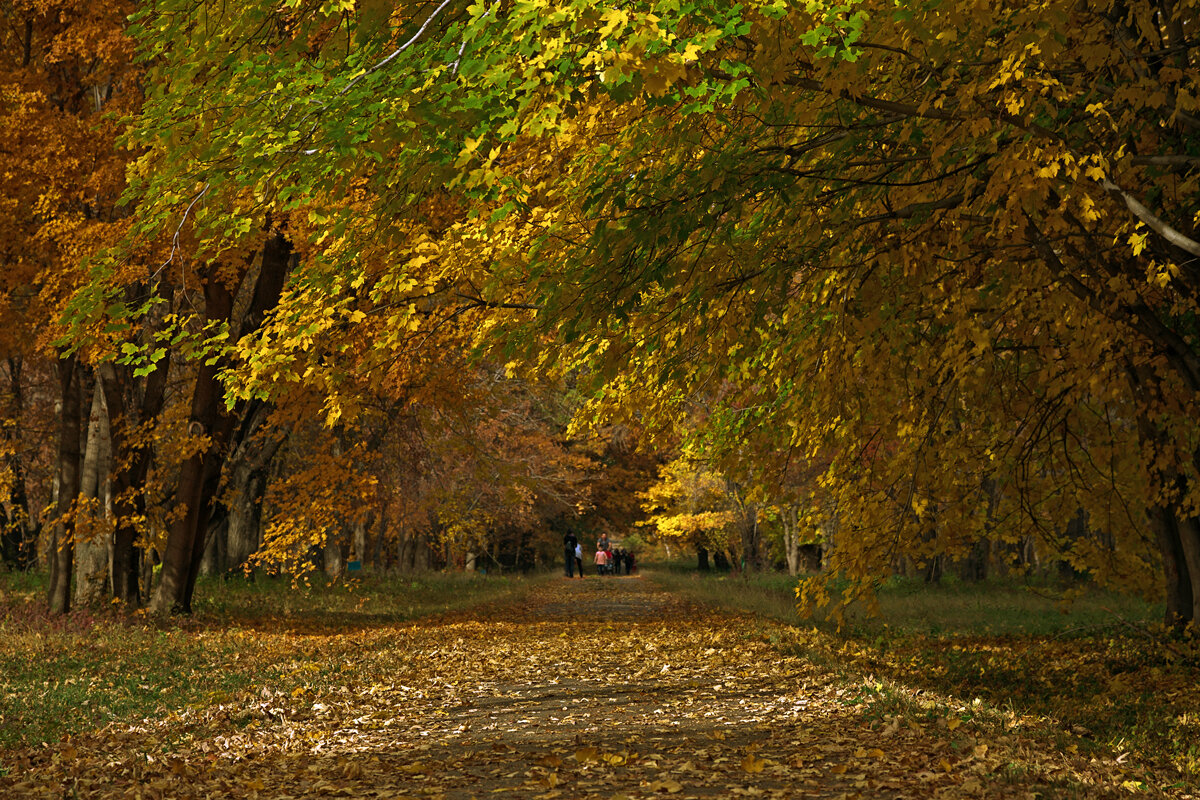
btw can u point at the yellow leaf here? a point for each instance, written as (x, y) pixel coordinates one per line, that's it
(667, 785)
(752, 764)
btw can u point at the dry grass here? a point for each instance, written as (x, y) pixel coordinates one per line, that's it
(61, 675)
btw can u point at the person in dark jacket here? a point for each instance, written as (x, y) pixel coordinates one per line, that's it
(569, 542)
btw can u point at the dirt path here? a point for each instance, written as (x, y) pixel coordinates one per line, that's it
(595, 688)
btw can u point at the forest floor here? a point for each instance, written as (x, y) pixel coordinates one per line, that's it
(602, 687)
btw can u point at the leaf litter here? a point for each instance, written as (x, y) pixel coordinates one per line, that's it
(591, 689)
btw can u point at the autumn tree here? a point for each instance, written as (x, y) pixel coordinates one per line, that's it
(944, 252)
(64, 71)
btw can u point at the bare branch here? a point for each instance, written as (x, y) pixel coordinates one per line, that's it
(1164, 230)
(178, 230)
(395, 53)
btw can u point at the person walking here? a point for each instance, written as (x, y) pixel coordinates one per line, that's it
(570, 542)
(579, 558)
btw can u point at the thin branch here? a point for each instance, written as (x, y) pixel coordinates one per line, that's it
(178, 230)
(479, 302)
(912, 209)
(1164, 230)
(1167, 160)
(462, 47)
(395, 53)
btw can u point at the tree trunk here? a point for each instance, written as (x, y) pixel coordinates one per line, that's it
(790, 519)
(810, 556)
(244, 535)
(1177, 533)
(19, 545)
(721, 560)
(405, 550)
(1179, 543)
(974, 567)
(91, 555)
(184, 539)
(126, 412)
(200, 475)
(214, 460)
(750, 538)
(248, 470)
(332, 559)
(62, 546)
(702, 558)
(358, 539)
(377, 559)
(933, 569)
(216, 545)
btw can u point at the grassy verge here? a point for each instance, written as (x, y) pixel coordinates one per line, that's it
(1097, 672)
(61, 675)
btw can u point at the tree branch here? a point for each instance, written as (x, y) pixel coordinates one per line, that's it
(1164, 230)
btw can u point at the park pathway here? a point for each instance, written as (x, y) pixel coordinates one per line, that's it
(599, 688)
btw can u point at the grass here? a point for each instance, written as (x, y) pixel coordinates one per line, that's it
(61, 675)
(1099, 673)
(1008, 607)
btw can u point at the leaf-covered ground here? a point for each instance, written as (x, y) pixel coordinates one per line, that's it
(594, 688)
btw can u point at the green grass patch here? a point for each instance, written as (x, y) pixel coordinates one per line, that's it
(66, 674)
(1099, 669)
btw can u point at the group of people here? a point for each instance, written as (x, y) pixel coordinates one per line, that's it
(608, 560)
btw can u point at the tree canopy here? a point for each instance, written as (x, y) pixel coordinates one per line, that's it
(915, 276)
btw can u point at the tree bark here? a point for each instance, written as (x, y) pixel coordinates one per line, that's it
(91, 555)
(200, 475)
(244, 535)
(126, 413)
(62, 550)
(1179, 544)
(1177, 533)
(184, 537)
(933, 569)
(377, 559)
(19, 546)
(216, 545)
(331, 559)
(789, 518)
(752, 557)
(721, 560)
(358, 539)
